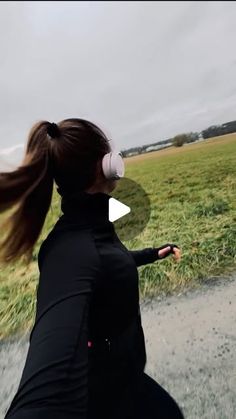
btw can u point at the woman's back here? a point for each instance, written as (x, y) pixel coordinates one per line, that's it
(87, 292)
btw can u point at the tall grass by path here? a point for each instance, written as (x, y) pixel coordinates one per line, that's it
(193, 204)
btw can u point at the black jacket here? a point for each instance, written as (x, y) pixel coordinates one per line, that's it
(88, 290)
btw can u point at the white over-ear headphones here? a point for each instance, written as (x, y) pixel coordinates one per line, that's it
(113, 165)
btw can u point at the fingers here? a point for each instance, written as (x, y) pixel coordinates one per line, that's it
(163, 252)
(166, 251)
(177, 254)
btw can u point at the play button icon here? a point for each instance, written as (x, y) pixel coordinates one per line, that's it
(117, 209)
(137, 207)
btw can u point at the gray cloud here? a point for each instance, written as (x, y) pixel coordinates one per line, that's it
(143, 71)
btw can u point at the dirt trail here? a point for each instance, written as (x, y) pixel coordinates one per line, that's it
(191, 348)
(191, 351)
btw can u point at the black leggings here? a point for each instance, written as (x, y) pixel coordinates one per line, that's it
(153, 402)
(148, 401)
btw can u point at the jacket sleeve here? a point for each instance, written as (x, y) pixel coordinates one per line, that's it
(55, 374)
(144, 256)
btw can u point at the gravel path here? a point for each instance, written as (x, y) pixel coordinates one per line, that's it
(191, 350)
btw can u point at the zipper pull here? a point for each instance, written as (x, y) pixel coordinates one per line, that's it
(109, 343)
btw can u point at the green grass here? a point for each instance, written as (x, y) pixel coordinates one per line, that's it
(193, 204)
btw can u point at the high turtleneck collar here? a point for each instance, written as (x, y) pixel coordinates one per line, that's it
(86, 208)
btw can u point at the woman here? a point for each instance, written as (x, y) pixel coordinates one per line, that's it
(87, 355)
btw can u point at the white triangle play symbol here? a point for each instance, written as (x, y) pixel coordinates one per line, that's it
(117, 209)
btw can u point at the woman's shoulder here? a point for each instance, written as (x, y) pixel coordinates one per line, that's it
(66, 242)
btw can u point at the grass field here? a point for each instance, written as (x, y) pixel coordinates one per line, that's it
(192, 191)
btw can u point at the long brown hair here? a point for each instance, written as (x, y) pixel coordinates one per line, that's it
(69, 157)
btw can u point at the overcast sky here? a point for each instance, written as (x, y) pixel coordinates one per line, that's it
(144, 71)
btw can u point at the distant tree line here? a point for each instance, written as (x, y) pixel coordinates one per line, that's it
(142, 149)
(182, 139)
(212, 131)
(216, 130)
(185, 138)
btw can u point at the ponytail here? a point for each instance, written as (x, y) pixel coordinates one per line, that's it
(30, 189)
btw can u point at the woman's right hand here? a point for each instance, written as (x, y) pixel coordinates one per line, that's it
(169, 249)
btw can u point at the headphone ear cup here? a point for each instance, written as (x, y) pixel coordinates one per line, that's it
(113, 166)
(106, 165)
